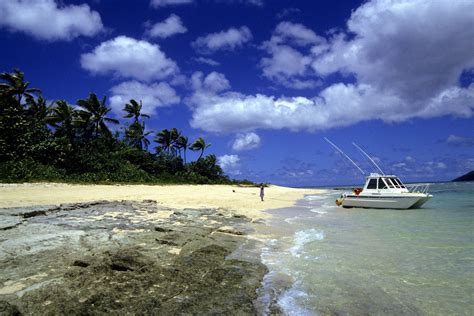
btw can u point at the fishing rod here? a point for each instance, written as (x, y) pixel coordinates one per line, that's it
(339, 150)
(370, 158)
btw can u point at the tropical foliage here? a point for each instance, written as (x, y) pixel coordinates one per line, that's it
(57, 141)
(199, 145)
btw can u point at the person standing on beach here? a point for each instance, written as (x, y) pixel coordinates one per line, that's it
(262, 191)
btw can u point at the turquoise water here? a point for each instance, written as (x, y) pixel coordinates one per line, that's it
(329, 260)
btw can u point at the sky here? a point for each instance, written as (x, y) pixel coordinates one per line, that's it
(264, 81)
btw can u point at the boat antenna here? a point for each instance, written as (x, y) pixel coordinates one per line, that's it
(339, 150)
(370, 158)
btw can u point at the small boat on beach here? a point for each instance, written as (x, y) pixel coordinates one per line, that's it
(386, 192)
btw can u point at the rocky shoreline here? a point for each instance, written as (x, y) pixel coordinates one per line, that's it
(125, 257)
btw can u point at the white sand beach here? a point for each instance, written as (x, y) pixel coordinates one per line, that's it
(241, 200)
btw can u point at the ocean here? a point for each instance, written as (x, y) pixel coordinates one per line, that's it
(328, 260)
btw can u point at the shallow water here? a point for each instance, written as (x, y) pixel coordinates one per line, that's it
(329, 260)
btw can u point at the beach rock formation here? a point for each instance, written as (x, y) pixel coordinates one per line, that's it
(125, 258)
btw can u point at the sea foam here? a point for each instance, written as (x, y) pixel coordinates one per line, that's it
(317, 211)
(303, 237)
(290, 301)
(315, 197)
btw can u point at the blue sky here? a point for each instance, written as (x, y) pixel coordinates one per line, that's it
(264, 81)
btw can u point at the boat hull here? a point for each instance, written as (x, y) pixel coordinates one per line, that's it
(401, 202)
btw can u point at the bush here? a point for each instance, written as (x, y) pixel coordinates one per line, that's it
(29, 170)
(206, 167)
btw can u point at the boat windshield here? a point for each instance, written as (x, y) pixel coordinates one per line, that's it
(395, 183)
(389, 183)
(382, 184)
(399, 183)
(372, 184)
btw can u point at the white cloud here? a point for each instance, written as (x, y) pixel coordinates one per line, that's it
(455, 140)
(230, 164)
(207, 61)
(415, 50)
(337, 105)
(212, 83)
(225, 40)
(287, 12)
(286, 65)
(295, 33)
(165, 3)
(169, 27)
(129, 58)
(246, 142)
(153, 96)
(405, 59)
(440, 167)
(46, 20)
(399, 165)
(178, 80)
(467, 164)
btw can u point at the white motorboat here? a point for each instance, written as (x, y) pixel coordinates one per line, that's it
(382, 191)
(385, 191)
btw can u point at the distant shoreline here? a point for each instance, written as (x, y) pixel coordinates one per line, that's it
(343, 186)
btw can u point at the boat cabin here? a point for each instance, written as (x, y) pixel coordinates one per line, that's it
(384, 183)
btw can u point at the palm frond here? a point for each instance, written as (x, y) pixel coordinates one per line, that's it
(111, 120)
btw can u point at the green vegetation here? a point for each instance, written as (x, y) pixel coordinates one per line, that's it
(61, 142)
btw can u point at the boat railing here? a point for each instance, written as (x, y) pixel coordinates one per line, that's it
(419, 188)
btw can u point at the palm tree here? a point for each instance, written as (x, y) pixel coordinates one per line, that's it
(141, 137)
(134, 109)
(199, 144)
(164, 139)
(136, 135)
(38, 108)
(62, 119)
(16, 86)
(175, 134)
(183, 143)
(159, 150)
(93, 116)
